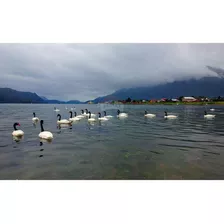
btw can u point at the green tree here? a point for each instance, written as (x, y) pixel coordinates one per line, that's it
(180, 98)
(128, 100)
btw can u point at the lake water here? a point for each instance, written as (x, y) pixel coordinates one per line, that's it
(189, 147)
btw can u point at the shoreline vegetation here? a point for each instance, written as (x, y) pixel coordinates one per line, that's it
(173, 103)
(146, 103)
(197, 101)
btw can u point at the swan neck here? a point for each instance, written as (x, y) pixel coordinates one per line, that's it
(15, 127)
(41, 126)
(70, 114)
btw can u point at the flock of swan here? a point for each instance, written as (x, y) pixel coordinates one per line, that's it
(91, 117)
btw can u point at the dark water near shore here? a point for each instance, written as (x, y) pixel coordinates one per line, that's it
(190, 147)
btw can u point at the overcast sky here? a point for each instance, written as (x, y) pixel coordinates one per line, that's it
(87, 71)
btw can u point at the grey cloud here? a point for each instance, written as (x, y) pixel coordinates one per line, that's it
(86, 71)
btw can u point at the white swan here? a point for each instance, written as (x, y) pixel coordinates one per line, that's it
(35, 119)
(47, 135)
(82, 115)
(149, 115)
(55, 109)
(102, 118)
(73, 118)
(90, 119)
(208, 115)
(121, 115)
(169, 116)
(87, 113)
(107, 116)
(17, 133)
(63, 121)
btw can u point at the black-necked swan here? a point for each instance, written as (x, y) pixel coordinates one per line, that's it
(47, 135)
(74, 118)
(35, 119)
(149, 115)
(16, 132)
(82, 115)
(102, 118)
(208, 115)
(55, 109)
(90, 119)
(169, 116)
(121, 115)
(87, 113)
(107, 116)
(63, 121)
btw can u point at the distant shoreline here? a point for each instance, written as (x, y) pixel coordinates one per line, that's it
(173, 103)
(146, 103)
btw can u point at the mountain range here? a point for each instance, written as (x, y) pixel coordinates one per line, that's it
(207, 86)
(8, 95)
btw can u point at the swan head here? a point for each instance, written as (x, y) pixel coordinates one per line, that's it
(16, 124)
(99, 114)
(41, 122)
(34, 115)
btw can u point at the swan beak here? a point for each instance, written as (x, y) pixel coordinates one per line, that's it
(19, 124)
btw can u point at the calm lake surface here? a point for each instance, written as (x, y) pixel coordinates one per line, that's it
(189, 147)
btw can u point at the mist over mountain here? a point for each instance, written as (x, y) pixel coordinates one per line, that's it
(207, 86)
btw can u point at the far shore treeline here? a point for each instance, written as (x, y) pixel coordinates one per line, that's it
(13, 96)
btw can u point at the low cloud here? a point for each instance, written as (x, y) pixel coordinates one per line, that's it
(86, 71)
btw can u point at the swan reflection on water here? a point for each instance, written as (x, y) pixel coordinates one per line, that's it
(35, 124)
(17, 138)
(64, 127)
(45, 141)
